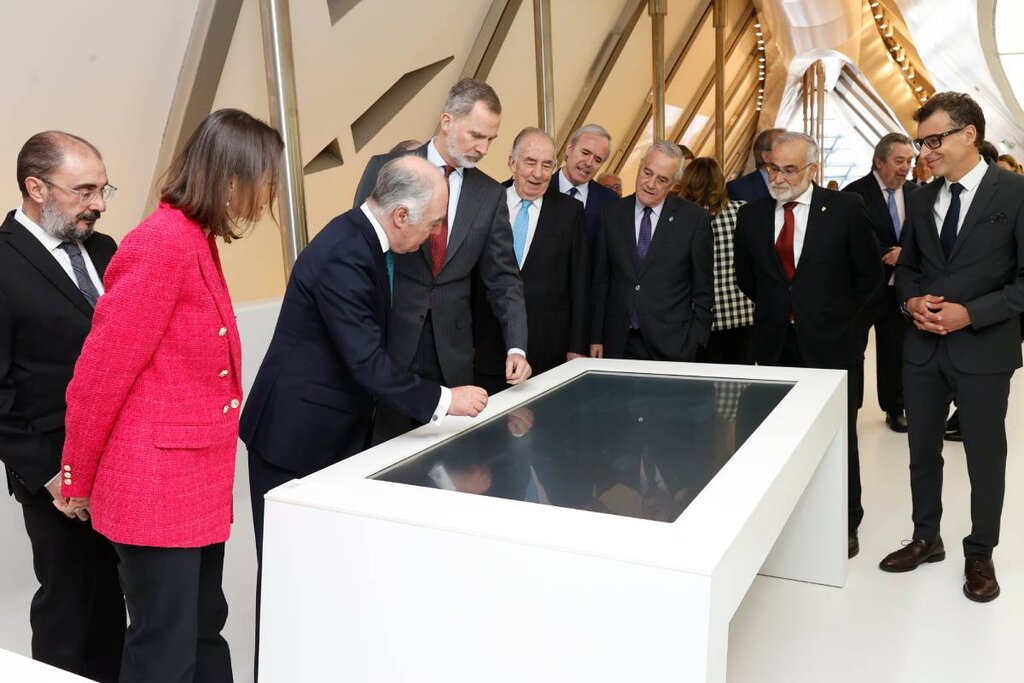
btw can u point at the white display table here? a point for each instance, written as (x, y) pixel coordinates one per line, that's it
(370, 580)
(15, 667)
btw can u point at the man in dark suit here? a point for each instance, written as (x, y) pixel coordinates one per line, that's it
(587, 150)
(808, 259)
(885, 192)
(961, 279)
(653, 284)
(754, 185)
(550, 243)
(51, 274)
(431, 322)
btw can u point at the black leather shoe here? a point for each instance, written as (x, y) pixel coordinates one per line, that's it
(912, 555)
(853, 546)
(980, 584)
(897, 422)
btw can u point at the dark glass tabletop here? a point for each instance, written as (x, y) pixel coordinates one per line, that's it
(624, 444)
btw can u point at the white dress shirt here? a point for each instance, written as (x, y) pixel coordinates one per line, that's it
(970, 182)
(638, 215)
(564, 185)
(454, 183)
(52, 245)
(800, 213)
(533, 214)
(446, 394)
(901, 205)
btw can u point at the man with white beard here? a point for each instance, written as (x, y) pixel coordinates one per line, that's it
(51, 274)
(808, 259)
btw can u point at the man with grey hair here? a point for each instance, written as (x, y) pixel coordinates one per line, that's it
(653, 285)
(754, 185)
(586, 152)
(808, 259)
(884, 191)
(431, 321)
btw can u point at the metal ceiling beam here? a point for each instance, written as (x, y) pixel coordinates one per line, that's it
(490, 39)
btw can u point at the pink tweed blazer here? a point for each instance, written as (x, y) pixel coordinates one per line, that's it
(152, 419)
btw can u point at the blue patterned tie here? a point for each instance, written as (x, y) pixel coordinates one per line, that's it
(389, 263)
(894, 212)
(519, 230)
(947, 237)
(575, 194)
(85, 284)
(643, 242)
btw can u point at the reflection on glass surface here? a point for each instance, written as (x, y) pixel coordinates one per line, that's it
(624, 444)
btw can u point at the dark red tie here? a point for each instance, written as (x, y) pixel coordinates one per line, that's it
(784, 244)
(439, 242)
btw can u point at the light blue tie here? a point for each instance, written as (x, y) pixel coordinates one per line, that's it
(519, 230)
(389, 262)
(894, 212)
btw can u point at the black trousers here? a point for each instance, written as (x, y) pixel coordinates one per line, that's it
(177, 610)
(981, 401)
(734, 346)
(77, 615)
(890, 329)
(636, 347)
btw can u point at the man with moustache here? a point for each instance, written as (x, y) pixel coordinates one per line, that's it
(431, 320)
(550, 244)
(653, 284)
(808, 259)
(960, 278)
(587, 150)
(754, 185)
(51, 274)
(885, 192)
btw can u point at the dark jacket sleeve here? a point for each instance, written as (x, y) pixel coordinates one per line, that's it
(369, 179)
(500, 275)
(746, 280)
(868, 272)
(703, 279)
(579, 284)
(599, 284)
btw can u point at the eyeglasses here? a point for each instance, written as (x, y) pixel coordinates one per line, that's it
(935, 141)
(787, 172)
(87, 196)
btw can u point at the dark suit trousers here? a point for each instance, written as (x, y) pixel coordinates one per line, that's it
(981, 400)
(177, 610)
(77, 615)
(890, 329)
(388, 423)
(734, 346)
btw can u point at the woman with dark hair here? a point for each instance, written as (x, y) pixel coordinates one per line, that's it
(152, 417)
(704, 183)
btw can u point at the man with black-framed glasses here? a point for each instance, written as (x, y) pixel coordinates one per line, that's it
(51, 274)
(960, 279)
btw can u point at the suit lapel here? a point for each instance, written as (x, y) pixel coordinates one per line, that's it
(627, 231)
(979, 206)
(543, 235)
(35, 253)
(768, 239)
(926, 232)
(465, 214)
(817, 223)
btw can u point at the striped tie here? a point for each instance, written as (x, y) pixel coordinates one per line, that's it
(85, 284)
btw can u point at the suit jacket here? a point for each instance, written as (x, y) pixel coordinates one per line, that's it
(152, 420)
(837, 275)
(480, 238)
(875, 200)
(313, 399)
(44, 320)
(985, 273)
(672, 289)
(556, 279)
(598, 197)
(749, 188)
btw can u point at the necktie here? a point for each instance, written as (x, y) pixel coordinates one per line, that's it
(439, 242)
(643, 241)
(575, 194)
(784, 244)
(389, 263)
(519, 230)
(85, 284)
(894, 212)
(947, 237)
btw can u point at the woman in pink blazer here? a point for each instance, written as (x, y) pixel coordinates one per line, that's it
(152, 419)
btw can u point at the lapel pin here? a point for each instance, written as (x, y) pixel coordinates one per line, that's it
(670, 218)
(823, 209)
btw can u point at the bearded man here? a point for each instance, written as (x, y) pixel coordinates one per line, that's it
(51, 274)
(808, 259)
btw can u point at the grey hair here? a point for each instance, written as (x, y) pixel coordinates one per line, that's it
(793, 136)
(406, 181)
(763, 144)
(464, 95)
(669, 149)
(525, 133)
(884, 147)
(591, 129)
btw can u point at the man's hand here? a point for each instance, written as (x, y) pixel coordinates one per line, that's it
(572, 356)
(520, 421)
(952, 317)
(597, 350)
(892, 256)
(468, 401)
(71, 507)
(517, 370)
(927, 314)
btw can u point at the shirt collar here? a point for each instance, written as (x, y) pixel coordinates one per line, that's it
(434, 157)
(564, 184)
(49, 241)
(804, 198)
(385, 245)
(972, 178)
(514, 199)
(881, 184)
(655, 210)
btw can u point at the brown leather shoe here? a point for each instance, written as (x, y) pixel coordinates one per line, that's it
(912, 555)
(981, 584)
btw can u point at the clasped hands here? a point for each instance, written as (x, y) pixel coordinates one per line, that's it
(936, 315)
(73, 508)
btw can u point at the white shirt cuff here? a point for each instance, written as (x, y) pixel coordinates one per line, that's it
(514, 350)
(442, 406)
(55, 478)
